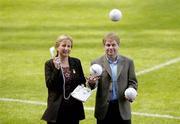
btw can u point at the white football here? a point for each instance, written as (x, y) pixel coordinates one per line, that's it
(130, 93)
(96, 70)
(115, 14)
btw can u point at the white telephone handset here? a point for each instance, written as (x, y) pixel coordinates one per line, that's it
(53, 55)
(52, 51)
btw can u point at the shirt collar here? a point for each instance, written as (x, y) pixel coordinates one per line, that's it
(113, 62)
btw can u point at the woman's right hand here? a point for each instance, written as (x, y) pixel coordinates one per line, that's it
(57, 62)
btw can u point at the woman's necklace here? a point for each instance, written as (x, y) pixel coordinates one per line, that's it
(64, 64)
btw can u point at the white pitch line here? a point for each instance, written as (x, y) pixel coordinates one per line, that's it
(156, 115)
(172, 61)
(23, 101)
(92, 109)
(89, 108)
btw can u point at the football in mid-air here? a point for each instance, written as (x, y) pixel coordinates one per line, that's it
(115, 15)
(96, 70)
(130, 93)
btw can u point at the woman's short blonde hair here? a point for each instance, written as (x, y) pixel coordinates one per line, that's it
(63, 38)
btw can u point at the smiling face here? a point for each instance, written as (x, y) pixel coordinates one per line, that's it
(64, 48)
(111, 43)
(111, 48)
(64, 45)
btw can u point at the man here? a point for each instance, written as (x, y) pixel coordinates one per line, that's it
(112, 107)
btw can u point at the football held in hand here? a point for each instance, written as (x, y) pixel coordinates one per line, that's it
(96, 70)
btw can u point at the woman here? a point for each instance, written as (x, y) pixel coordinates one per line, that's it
(62, 75)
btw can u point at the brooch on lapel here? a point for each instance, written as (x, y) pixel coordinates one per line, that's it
(74, 71)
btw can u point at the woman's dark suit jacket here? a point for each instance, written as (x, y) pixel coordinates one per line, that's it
(54, 83)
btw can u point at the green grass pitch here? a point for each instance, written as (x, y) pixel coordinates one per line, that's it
(149, 32)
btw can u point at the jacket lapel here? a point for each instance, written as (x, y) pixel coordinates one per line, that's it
(106, 66)
(120, 66)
